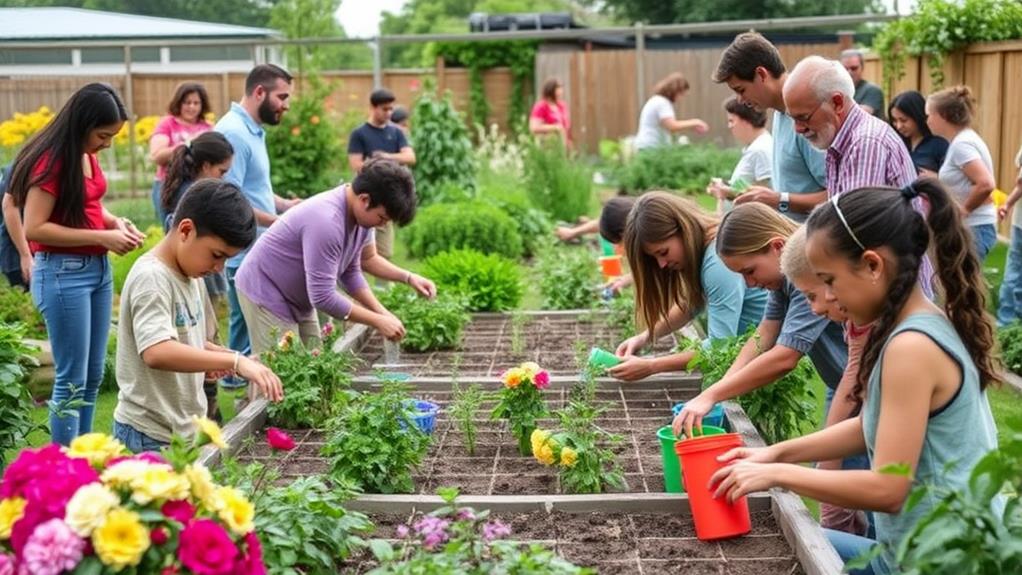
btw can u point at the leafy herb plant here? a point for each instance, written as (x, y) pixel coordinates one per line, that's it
(488, 282)
(568, 278)
(429, 324)
(463, 410)
(15, 400)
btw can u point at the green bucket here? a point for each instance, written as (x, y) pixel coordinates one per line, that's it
(672, 467)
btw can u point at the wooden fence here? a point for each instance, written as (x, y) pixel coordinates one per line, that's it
(994, 72)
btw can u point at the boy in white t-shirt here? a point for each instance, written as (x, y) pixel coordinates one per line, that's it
(166, 320)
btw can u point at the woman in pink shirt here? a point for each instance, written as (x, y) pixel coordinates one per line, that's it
(550, 114)
(186, 119)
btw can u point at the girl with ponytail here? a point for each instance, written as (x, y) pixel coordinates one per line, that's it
(209, 155)
(924, 368)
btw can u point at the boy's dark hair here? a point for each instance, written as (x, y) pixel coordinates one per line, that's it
(185, 89)
(613, 218)
(747, 52)
(381, 96)
(399, 115)
(218, 208)
(265, 75)
(389, 184)
(207, 148)
(751, 115)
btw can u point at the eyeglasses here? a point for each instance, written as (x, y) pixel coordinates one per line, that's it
(805, 118)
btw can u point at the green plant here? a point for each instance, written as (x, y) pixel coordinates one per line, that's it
(621, 313)
(16, 305)
(581, 449)
(1009, 338)
(521, 401)
(781, 410)
(518, 322)
(476, 225)
(317, 380)
(463, 409)
(442, 146)
(465, 541)
(534, 226)
(429, 324)
(568, 278)
(15, 400)
(686, 169)
(109, 383)
(122, 264)
(937, 28)
(374, 443)
(557, 183)
(489, 282)
(304, 148)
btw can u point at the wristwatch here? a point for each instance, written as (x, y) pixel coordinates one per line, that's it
(783, 204)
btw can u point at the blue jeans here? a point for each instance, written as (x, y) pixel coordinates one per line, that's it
(135, 440)
(157, 204)
(985, 238)
(237, 337)
(75, 295)
(1009, 298)
(849, 547)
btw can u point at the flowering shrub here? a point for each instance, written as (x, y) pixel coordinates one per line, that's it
(521, 401)
(92, 508)
(305, 150)
(144, 128)
(463, 540)
(585, 463)
(15, 131)
(16, 403)
(317, 379)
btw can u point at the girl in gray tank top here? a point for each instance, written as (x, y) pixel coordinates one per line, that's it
(924, 368)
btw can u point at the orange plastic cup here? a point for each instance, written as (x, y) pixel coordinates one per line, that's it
(611, 266)
(713, 518)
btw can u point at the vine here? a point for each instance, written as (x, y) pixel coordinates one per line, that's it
(940, 27)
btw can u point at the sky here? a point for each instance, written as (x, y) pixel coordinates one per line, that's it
(361, 18)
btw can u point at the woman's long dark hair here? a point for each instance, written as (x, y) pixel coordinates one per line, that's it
(207, 148)
(62, 144)
(881, 217)
(912, 104)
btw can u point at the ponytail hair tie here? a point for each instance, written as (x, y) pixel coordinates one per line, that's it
(909, 192)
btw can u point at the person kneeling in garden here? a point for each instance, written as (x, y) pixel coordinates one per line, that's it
(292, 271)
(167, 322)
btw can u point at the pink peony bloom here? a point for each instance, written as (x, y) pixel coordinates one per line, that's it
(6, 564)
(542, 380)
(52, 549)
(279, 440)
(158, 536)
(252, 562)
(179, 510)
(207, 549)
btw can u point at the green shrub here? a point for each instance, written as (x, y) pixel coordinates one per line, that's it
(475, 225)
(681, 168)
(304, 148)
(568, 278)
(443, 150)
(1010, 340)
(429, 324)
(488, 282)
(16, 305)
(15, 400)
(559, 184)
(504, 190)
(122, 264)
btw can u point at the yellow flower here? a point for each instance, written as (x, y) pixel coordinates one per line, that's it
(568, 457)
(538, 438)
(98, 448)
(513, 377)
(11, 510)
(208, 432)
(159, 483)
(235, 510)
(531, 368)
(545, 455)
(88, 508)
(124, 473)
(203, 488)
(121, 540)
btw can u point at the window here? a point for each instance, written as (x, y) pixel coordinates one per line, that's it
(32, 56)
(208, 53)
(116, 55)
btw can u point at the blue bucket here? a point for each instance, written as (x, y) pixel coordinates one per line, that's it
(715, 417)
(423, 413)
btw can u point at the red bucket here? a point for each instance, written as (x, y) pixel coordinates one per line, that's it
(714, 518)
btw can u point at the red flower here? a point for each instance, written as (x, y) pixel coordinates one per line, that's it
(178, 510)
(171, 570)
(158, 536)
(542, 380)
(206, 549)
(279, 440)
(252, 562)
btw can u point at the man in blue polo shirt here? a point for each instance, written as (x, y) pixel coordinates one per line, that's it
(267, 93)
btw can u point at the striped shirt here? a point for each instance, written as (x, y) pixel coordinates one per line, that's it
(866, 153)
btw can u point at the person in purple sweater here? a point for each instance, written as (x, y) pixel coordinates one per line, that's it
(292, 270)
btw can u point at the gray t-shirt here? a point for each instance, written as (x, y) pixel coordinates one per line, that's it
(157, 305)
(965, 148)
(869, 94)
(807, 333)
(651, 133)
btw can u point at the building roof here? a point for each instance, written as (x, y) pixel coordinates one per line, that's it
(50, 24)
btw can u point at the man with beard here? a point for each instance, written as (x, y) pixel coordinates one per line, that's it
(267, 93)
(751, 66)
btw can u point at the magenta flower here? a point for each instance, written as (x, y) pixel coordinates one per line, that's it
(495, 530)
(279, 440)
(433, 531)
(158, 536)
(52, 549)
(542, 380)
(207, 549)
(328, 328)
(466, 514)
(178, 510)
(252, 562)
(402, 531)
(6, 564)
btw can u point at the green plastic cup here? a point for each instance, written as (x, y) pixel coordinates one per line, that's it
(607, 247)
(672, 466)
(602, 358)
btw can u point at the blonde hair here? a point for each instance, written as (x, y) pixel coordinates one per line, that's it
(657, 217)
(672, 86)
(794, 262)
(748, 229)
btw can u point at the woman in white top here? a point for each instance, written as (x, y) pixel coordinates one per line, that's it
(968, 169)
(657, 121)
(748, 126)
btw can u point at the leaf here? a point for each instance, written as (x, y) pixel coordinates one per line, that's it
(899, 469)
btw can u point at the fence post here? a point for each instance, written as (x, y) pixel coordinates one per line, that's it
(441, 76)
(845, 39)
(377, 63)
(640, 64)
(129, 98)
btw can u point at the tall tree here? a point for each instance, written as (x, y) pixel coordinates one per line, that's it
(316, 19)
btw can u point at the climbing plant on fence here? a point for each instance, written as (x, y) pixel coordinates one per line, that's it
(518, 55)
(939, 27)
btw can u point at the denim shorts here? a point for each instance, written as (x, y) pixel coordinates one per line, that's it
(135, 440)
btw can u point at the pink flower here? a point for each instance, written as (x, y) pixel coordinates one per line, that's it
(6, 564)
(148, 456)
(252, 562)
(433, 531)
(328, 329)
(52, 549)
(206, 549)
(315, 352)
(402, 531)
(542, 380)
(466, 514)
(279, 440)
(158, 536)
(495, 530)
(55, 479)
(178, 510)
